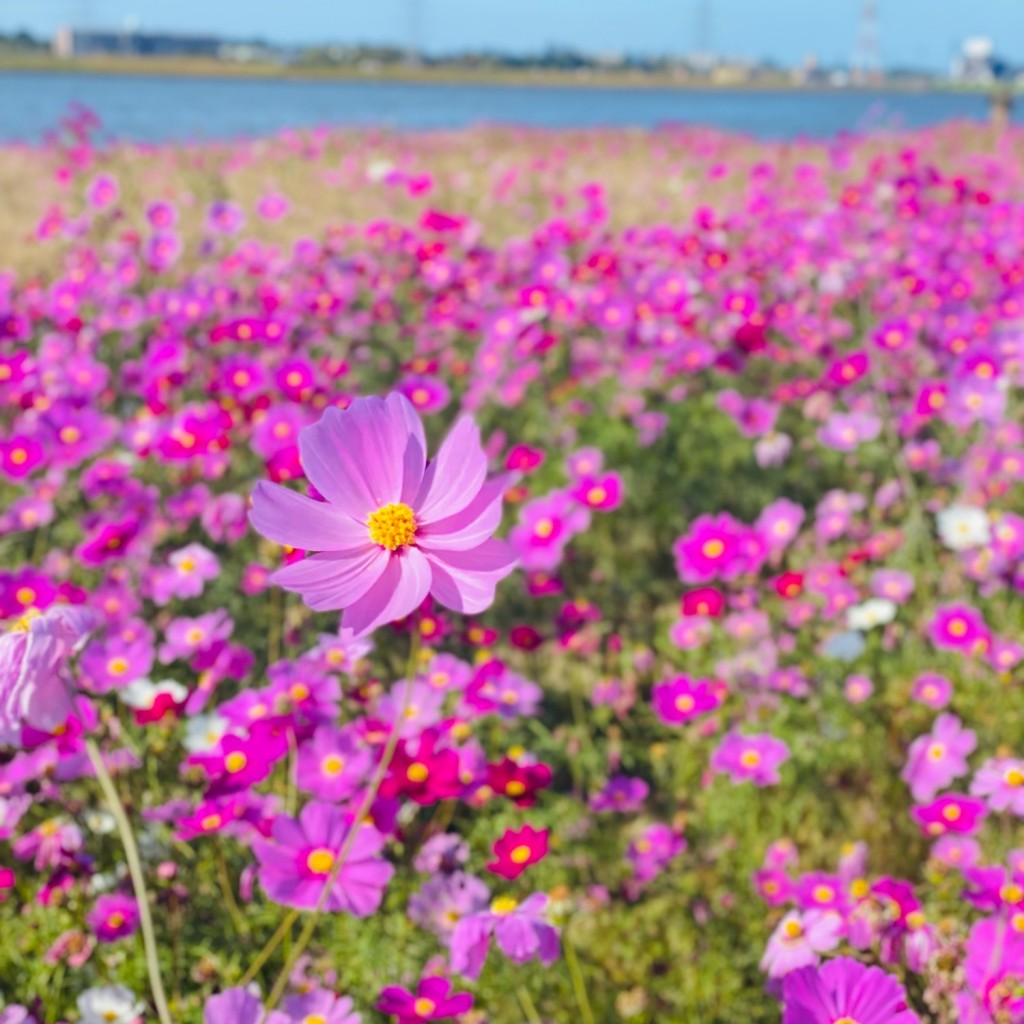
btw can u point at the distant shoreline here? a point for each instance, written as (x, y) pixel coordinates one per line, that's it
(192, 67)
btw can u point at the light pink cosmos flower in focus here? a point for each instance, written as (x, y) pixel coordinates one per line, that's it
(32, 656)
(393, 527)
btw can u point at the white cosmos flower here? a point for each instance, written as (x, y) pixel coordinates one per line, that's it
(203, 733)
(877, 611)
(109, 1004)
(962, 527)
(378, 170)
(142, 693)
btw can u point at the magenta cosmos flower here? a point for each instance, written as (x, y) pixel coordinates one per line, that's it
(394, 527)
(432, 1000)
(843, 990)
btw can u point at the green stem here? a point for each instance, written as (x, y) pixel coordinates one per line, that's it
(529, 1010)
(228, 891)
(268, 950)
(275, 626)
(578, 985)
(364, 809)
(131, 853)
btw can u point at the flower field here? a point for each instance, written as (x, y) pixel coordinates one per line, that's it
(501, 576)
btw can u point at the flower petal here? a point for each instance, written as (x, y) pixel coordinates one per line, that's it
(455, 477)
(290, 518)
(371, 454)
(470, 527)
(334, 579)
(465, 580)
(398, 592)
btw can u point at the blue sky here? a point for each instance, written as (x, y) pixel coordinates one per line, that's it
(918, 32)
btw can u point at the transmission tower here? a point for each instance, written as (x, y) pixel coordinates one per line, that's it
(703, 35)
(867, 58)
(415, 15)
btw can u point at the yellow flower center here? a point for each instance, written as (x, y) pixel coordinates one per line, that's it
(417, 772)
(936, 751)
(503, 906)
(1011, 893)
(320, 861)
(333, 765)
(19, 456)
(116, 919)
(117, 666)
(24, 596)
(596, 495)
(750, 759)
(424, 1007)
(1014, 777)
(210, 822)
(392, 526)
(824, 894)
(957, 627)
(544, 528)
(520, 855)
(951, 813)
(515, 788)
(712, 548)
(235, 761)
(684, 702)
(314, 1018)
(793, 929)
(24, 623)
(846, 1020)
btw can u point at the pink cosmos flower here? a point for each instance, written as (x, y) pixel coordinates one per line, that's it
(932, 689)
(718, 547)
(546, 525)
(331, 765)
(953, 812)
(114, 916)
(681, 699)
(601, 493)
(937, 758)
(798, 940)
(239, 1006)
(295, 863)
(959, 627)
(653, 849)
(394, 528)
(32, 657)
(521, 931)
(844, 990)
(750, 758)
(321, 1006)
(1001, 781)
(858, 688)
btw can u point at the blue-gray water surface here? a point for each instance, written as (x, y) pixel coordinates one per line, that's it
(155, 108)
